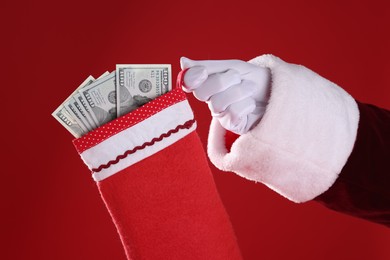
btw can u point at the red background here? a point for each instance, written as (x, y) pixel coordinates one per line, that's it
(51, 208)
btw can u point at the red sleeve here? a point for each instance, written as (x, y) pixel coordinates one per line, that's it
(363, 187)
(153, 176)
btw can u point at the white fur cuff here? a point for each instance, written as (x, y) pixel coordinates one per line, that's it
(303, 140)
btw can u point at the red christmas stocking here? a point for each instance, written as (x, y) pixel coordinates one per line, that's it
(153, 176)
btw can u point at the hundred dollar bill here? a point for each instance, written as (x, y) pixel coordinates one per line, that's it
(69, 121)
(84, 109)
(138, 84)
(100, 96)
(62, 115)
(81, 103)
(75, 110)
(75, 107)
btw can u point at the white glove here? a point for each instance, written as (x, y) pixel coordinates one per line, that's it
(236, 92)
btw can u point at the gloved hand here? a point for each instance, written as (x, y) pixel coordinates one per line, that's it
(236, 92)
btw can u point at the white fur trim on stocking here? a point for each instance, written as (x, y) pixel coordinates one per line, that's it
(303, 140)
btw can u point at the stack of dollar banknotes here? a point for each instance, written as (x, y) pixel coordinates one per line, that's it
(98, 101)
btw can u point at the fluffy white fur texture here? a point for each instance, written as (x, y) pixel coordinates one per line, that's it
(304, 139)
